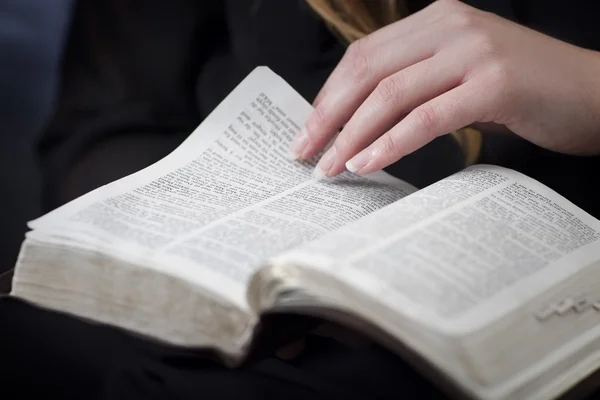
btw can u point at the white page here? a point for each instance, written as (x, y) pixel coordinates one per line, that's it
(226, 199)
(463, 251)
(237, 245)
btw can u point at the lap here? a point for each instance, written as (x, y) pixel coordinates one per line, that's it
(45, 353)
(73, 359)
(54, 354)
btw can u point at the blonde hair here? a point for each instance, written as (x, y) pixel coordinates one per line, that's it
(354, 19)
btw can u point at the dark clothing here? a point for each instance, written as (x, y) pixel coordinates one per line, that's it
(138, 77)
(55, 357)
(161, 68)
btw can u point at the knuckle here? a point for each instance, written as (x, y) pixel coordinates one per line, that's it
(499, 81)
(387, 145)
(462, 20)
(485, 45)
(316, 121)
(426, 118)
(359, 65)
(389, 88)
(360, 69)
(358, 47)
(498, 74)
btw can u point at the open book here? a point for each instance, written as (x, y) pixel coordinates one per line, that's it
(487, 278)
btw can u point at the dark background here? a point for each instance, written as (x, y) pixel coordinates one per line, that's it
(47, 354)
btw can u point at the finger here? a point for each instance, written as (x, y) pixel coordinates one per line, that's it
(428, 16)
(357, 75)
(448, 112)
(354, 78)
(393, 98)
(358, 78)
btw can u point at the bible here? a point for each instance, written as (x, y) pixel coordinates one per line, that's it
(486, 279)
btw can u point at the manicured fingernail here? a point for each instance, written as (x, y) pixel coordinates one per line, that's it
(325, 164)
(358, 162)
(299, 144)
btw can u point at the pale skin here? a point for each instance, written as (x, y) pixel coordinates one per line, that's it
(444, 68)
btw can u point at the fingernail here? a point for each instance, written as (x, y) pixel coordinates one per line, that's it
(325, 164)
(299, 144)
(358, 162)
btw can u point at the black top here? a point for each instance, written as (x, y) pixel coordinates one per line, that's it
(161, 67)
(137, 68)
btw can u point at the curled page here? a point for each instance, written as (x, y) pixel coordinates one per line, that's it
(227, 199)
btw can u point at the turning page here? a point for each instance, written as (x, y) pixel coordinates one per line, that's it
(463, 251)
(226, 200)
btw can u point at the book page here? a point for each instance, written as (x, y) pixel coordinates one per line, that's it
(228, 198)
(462, 251)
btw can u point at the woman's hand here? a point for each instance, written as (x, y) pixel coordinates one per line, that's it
(444, 68)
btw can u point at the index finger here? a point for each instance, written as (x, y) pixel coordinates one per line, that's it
(448, 112)
(366, 62)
